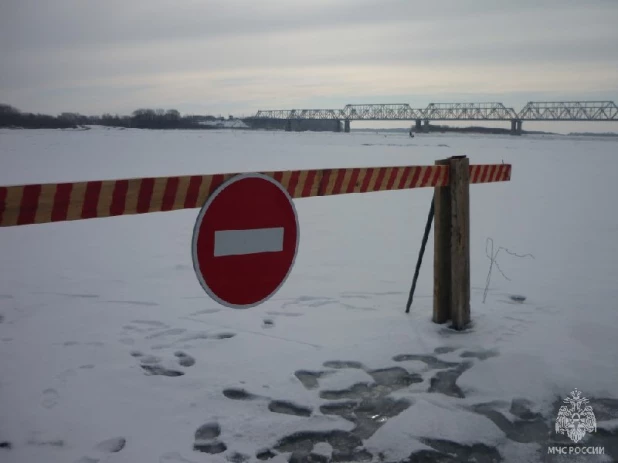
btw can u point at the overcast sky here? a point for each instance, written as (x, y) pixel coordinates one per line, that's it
(235, 56)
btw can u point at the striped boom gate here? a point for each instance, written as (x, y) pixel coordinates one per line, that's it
(58, 202)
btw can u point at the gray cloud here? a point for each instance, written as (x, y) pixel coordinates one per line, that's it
(108, 55)
(38, 23)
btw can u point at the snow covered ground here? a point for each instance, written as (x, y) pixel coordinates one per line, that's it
(110, 351)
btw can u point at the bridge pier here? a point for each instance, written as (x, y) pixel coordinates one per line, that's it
(346, 126)
(516, 126)
(426, 126)
(313, 125)
(419, 126)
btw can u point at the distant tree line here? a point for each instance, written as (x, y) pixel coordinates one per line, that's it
(13, 117)
(140, 118)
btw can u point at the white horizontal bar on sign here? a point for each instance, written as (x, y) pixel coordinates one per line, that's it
(251, 241)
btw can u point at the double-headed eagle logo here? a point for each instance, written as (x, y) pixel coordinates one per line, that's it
(576, 420)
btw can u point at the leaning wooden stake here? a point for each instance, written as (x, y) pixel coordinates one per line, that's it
(452, 246)
(420, 257)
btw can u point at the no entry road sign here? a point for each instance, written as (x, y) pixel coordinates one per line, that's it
(245, 240)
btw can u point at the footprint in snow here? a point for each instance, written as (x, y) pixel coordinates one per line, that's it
(184, 359)
(50, 398)
(152, 364)
(237, 457)
(149, 360)
(368, 405)
(102, 449)
(309, 379)
(173, 457)
(289, 408)
(157, 331)
(153, 332)
(206, 439)
(113, 445)
(158, 370)
(276, 406)
(46, 443)
(481, 355)
(445, 349)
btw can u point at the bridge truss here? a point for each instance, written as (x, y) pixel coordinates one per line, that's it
(468, 111)
(381, 112)
(570, 111)
(533, 111)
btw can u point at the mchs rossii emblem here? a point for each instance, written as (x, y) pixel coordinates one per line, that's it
(577, 418)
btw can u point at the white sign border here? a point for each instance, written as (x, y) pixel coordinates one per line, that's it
(198, 224)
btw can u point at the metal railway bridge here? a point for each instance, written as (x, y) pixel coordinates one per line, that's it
(532, 111)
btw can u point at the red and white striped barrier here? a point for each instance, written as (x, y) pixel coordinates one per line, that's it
(57, 202)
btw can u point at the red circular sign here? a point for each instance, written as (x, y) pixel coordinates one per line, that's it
(245, 240)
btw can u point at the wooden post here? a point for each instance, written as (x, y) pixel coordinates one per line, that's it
(459, 176)
(442, 252)
(451, 295)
